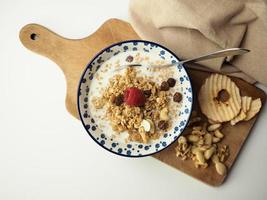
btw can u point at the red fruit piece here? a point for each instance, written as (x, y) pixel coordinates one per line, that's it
(134, 97)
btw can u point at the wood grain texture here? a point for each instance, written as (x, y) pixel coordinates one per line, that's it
(235, 136)
(72, 57)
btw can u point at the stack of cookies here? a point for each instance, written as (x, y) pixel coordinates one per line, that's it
(220, 100)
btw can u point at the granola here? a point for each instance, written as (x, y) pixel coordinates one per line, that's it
(144, 122)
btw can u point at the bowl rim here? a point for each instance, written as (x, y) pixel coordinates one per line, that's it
(90, 65)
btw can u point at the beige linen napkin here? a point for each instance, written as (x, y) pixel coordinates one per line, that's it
(194, 27)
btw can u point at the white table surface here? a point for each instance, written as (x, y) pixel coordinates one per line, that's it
(46, 154)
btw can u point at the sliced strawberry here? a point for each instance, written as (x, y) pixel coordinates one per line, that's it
(134, 97)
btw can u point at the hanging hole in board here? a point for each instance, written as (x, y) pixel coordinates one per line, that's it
(34, 36)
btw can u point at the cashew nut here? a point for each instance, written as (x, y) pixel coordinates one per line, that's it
(164, 114)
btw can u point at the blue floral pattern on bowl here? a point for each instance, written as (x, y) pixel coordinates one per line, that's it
(133, 149)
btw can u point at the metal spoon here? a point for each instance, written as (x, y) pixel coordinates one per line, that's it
(216, 54)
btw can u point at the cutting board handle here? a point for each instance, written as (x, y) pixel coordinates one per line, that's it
(42, 41)
(73, 55)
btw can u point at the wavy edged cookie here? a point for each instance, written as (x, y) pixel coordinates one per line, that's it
(219, 98)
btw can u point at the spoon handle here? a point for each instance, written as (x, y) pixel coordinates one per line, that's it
(217, 54)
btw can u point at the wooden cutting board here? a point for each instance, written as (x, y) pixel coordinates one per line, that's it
(72, 56)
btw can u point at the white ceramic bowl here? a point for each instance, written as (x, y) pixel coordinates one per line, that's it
(89, 86)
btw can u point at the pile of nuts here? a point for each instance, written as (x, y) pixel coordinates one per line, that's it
(201, 145)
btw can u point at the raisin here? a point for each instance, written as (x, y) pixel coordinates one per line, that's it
(223, 96)
(147, 93)
(164, 86)
(129, 59)
(163, 125)
(177, 97)
(171, 82)
(118, 100)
